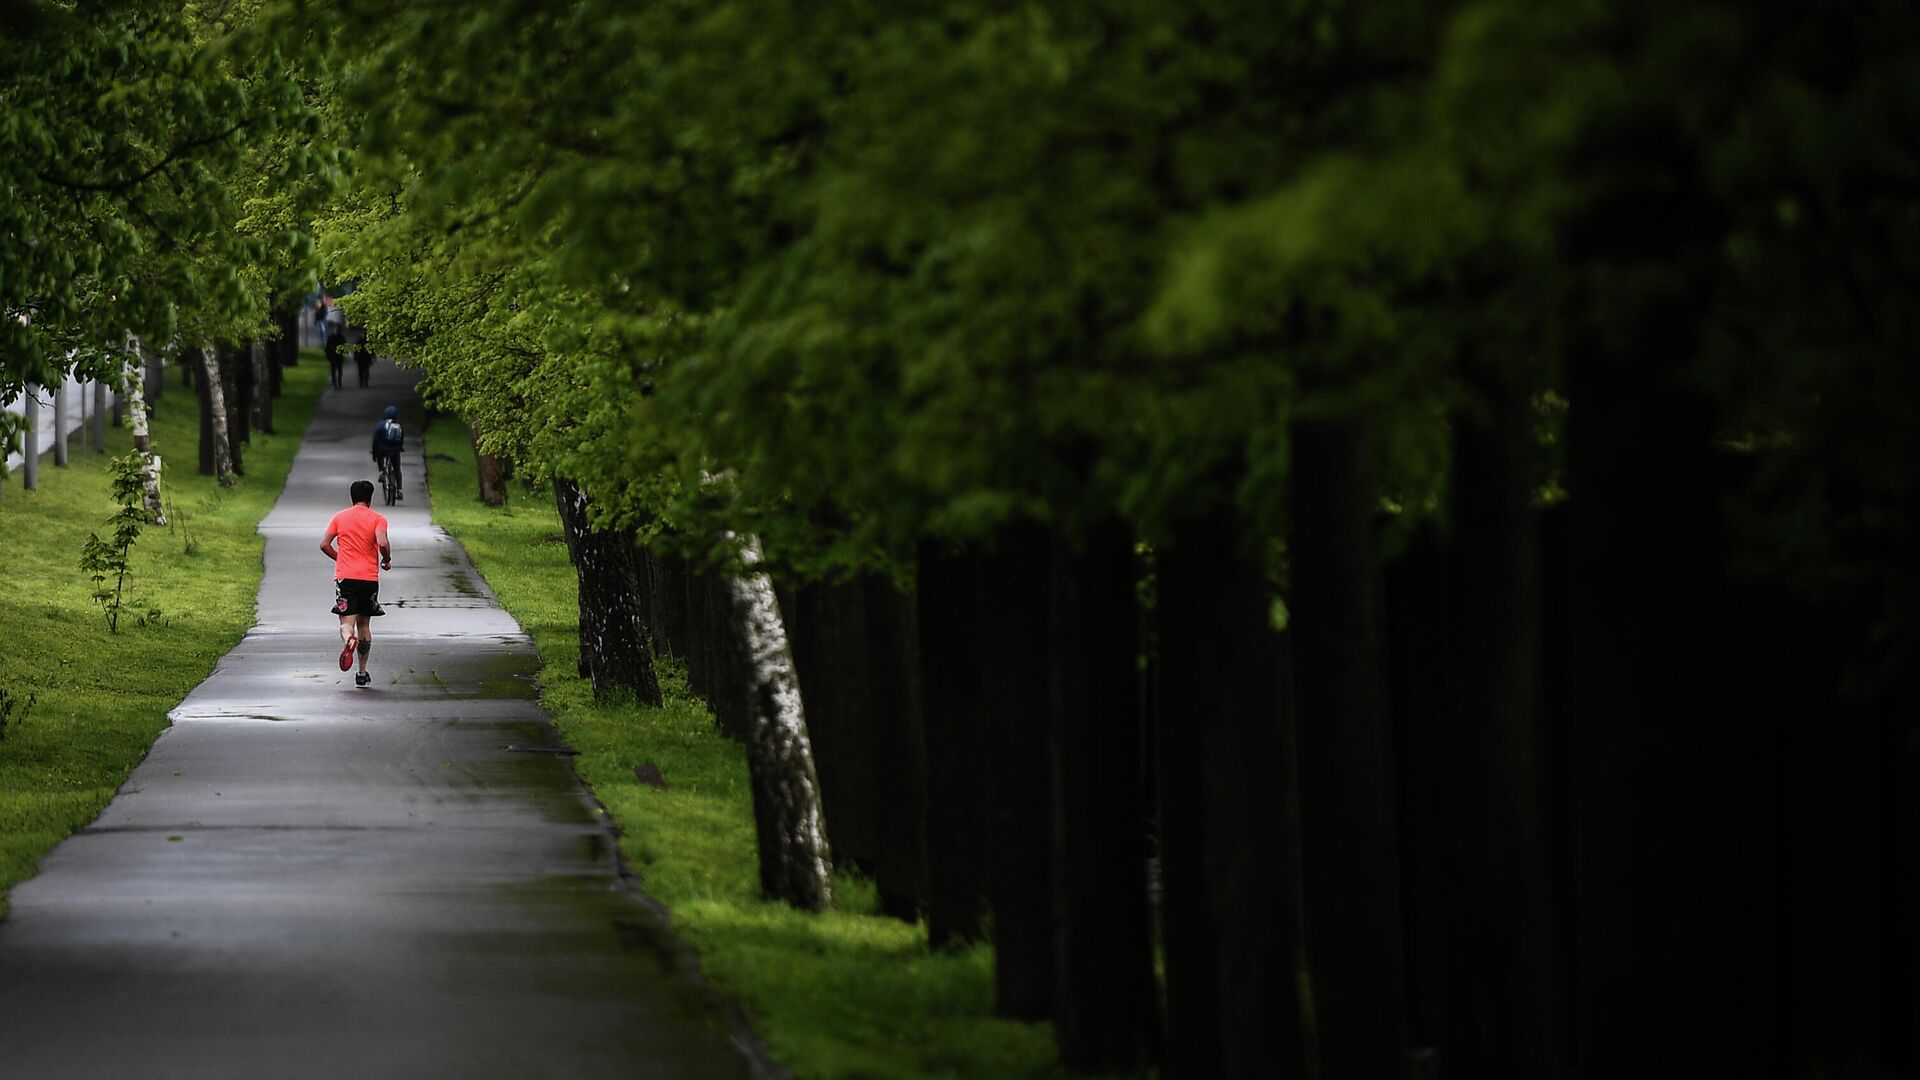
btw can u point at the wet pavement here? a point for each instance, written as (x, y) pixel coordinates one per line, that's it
(307, 879)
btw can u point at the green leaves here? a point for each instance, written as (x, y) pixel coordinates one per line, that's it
(129, 145)
(921, 269)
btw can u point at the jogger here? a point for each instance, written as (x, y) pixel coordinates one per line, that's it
(356, 540)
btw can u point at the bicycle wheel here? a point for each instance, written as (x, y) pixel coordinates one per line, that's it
(387, 487)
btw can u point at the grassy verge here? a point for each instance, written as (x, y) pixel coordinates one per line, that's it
(845, 994)
(102, 698)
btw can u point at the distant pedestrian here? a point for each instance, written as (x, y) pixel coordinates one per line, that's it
(356, 540)
(362, 356)
(336, 337)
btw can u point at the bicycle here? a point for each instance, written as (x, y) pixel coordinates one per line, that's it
(390, 483)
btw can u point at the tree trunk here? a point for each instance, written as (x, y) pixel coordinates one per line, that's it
(1228, 850)
(796, 863)
(1104, 1009)
(142, 442)
(156, 375)
(900, 867)
(236, 369)
(290, 337)
(1349, 843)
(950, 667)
(726, 677)
(30, 452)
(827, 628)
(699, 638)
(613, 632)
(285, 349)
(670, 625)
(263, 389)
(60, 424)
(493, 488)
(216, 458)
(204, 400)
(1501, 980)
(1418, 691)
(1014, 586)
(99, 425)
(1675, 781)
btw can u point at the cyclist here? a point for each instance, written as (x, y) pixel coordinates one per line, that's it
(388, 442)
(356, 540)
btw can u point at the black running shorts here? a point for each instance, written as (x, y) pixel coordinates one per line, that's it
(352, 596)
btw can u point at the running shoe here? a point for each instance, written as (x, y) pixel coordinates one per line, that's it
(346, 654)
(362, 679)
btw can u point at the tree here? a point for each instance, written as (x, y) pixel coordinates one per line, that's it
(129, 122)
(101, 559)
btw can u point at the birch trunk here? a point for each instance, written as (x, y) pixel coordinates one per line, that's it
(216, 415)
(796, 866)
(142, 439)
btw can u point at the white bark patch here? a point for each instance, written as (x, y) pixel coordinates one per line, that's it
(142, 439)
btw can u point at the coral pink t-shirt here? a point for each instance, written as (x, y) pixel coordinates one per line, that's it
(357, 527)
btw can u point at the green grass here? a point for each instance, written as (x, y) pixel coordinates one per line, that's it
(102, 698)
(845, 994)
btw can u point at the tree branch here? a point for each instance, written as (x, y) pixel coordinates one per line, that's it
(175, 155)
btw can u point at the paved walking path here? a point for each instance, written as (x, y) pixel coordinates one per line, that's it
(305, 879)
